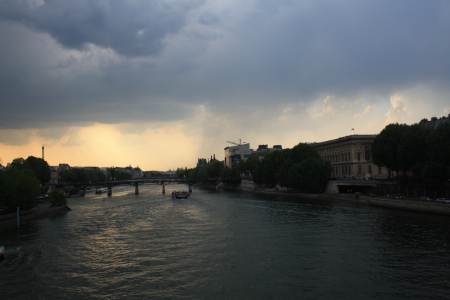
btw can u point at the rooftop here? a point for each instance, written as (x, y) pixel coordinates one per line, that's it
(347, 138)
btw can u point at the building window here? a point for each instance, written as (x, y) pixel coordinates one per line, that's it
(379, 170)
(359, 170)
(358, 156)
(367, 154)
(369, 169)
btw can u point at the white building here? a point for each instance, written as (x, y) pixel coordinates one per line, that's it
(237, 153)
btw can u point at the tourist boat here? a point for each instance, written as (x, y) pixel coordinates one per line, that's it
(100, 191)
(180, 195)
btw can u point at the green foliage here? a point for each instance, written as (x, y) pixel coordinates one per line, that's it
(38, 166)
(82, 175)
(418, 149)
(386, 147)
(214, 169)
(231, 175)
(18, 164)
(205, 171)
(182, 172)
(211, 172)
(310, 175)
(18, 187)
(300, 168)
(439, 145)
(301, 152)
(57, 198)
(119, 174)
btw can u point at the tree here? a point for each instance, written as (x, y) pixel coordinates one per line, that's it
(418, 149)
(18, 188)
(303, 151)
(57, 198)
(386, 147)
(214, 169)
(17, 164)
(311, 175)
(181, 172)
(439, 145)
(412, 147)
(40, 168)
(231, 175)
(37, 166)
(300, 168)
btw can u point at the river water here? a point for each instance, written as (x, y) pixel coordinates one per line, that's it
(226, 246)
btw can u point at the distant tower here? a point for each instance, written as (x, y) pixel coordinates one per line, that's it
(43, 153)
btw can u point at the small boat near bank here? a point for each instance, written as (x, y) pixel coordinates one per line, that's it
(100, 191)
(180, 195)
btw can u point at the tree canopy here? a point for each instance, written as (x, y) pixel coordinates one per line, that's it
(37, 166)
(82, 175)
(299, 168)
(18, 188)
(416, 149)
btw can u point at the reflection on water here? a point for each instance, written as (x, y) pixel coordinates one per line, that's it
(224, 245)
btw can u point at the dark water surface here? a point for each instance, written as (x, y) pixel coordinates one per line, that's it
(225, 245)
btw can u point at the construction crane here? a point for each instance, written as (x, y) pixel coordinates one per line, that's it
(234, 143)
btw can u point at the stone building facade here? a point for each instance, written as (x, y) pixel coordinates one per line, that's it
(351, 157)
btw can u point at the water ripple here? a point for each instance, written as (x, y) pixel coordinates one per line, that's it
(219, 245)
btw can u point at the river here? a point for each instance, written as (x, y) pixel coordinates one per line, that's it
(226, 246)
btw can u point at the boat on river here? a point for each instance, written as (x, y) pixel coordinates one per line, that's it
(180, 195)
(100, 191)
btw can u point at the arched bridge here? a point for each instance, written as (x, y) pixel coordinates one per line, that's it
(133, 182)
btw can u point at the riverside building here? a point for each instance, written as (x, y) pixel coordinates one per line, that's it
(240, 152)
(235, 154)
(351, 157)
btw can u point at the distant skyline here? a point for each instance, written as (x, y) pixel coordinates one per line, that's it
(157, 84)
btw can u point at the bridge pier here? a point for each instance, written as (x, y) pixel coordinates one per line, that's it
(109, 190)
(190, 188)
(136, 188)
(163, 188)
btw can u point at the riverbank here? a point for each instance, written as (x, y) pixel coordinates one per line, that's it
(43, 210)
(421, 206)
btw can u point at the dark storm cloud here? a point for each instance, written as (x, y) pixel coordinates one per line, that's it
(129, 27)
(338, 47)
(119, 61)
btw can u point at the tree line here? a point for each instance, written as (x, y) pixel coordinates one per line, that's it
(211, 172)
(299, 168)
(420, 152)
(91, 175)
(22, 181)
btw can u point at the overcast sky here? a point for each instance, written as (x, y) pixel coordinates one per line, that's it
(158, 83)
